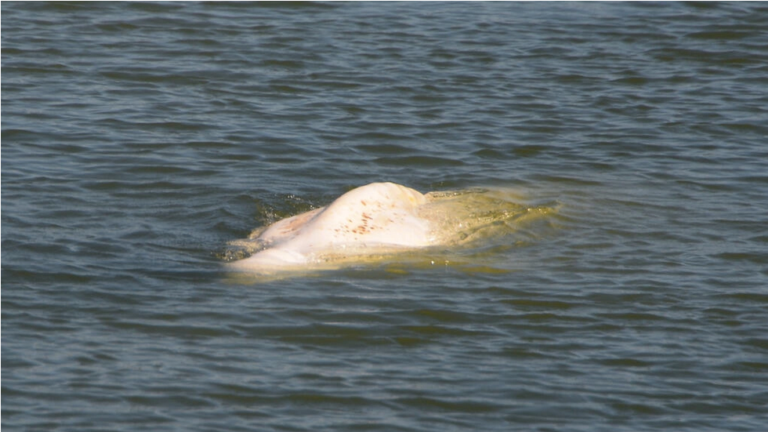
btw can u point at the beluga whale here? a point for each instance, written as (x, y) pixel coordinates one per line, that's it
(376, 221)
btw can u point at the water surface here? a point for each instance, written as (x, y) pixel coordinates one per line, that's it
(139, 138)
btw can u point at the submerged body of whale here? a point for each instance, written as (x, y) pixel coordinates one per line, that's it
(378, 219)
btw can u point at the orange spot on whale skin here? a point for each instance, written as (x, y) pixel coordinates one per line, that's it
(363, 202)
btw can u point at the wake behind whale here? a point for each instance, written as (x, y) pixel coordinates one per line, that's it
(378, 221)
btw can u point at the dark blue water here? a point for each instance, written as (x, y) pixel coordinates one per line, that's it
(138, 139)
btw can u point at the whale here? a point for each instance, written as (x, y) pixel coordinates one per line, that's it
(378, 220)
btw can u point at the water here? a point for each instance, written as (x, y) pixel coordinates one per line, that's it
(138, 139)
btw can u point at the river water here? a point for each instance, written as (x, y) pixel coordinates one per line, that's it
(139, 139)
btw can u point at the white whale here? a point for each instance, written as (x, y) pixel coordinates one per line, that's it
(377, 220)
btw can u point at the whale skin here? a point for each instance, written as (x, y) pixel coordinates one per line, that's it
(380, 220)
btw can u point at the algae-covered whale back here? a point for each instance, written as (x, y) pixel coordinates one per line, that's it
(380, 220)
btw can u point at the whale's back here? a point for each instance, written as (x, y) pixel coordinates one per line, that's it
(380, 219)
